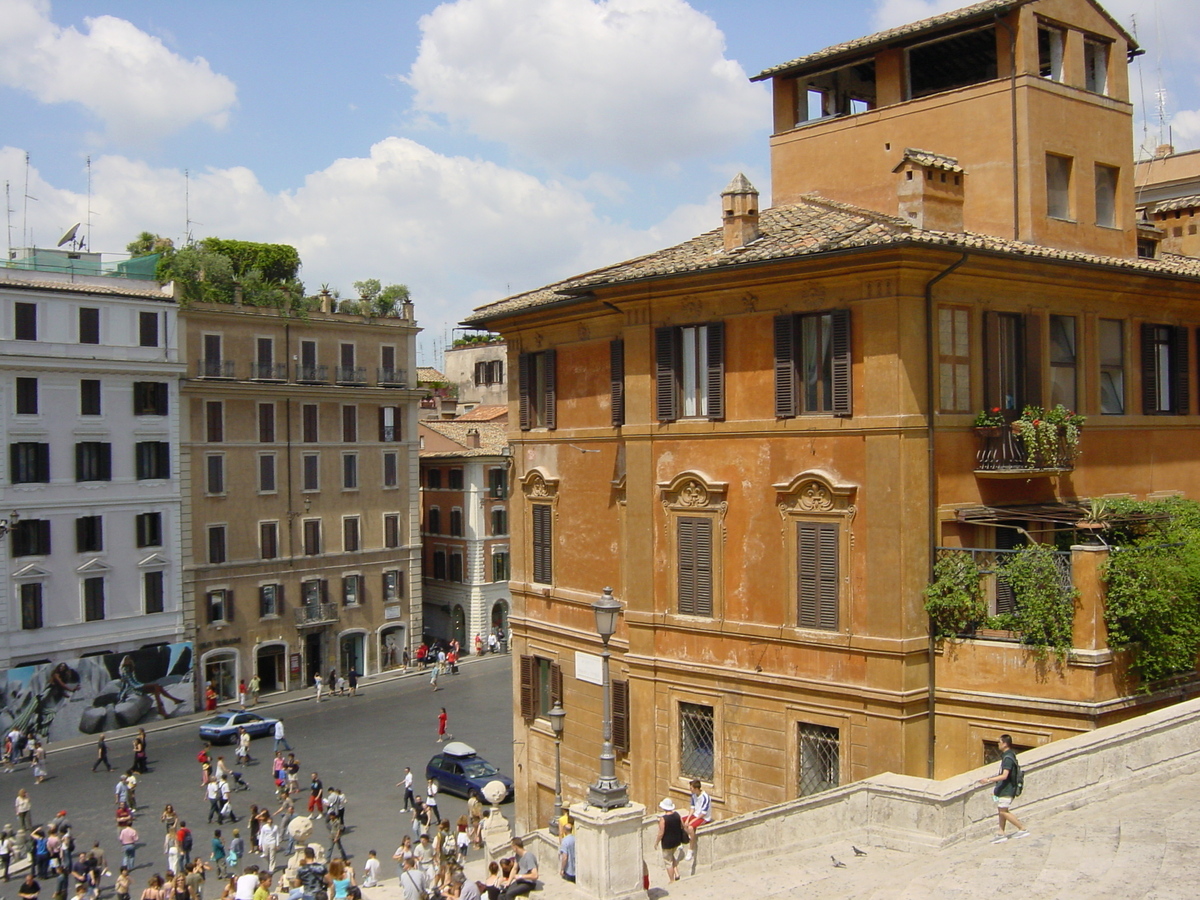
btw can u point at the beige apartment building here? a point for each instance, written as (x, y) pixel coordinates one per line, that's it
(301, 493)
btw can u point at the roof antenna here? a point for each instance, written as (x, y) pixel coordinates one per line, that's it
(83, 245)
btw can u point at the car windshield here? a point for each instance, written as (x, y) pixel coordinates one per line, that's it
(478, 768)
(219, 720)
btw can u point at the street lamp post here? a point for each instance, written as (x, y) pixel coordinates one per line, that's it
(557, 716)
(607, 792)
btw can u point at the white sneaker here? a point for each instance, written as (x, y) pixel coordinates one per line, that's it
(1021, 834)
(1000, 838)
(689, 855)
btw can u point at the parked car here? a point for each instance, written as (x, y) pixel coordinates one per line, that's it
(459, 770)
(223, 727)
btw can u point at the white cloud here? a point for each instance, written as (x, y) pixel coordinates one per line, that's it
(457, 231)
(631, 82)
(890, 13)
(127, 78)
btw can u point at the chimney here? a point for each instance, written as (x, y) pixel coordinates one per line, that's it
(739, 213)
(326, 300)
(931, 191)
(1163, 150)
(473, 437)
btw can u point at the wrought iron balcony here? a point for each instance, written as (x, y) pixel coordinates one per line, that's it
(1002, 454)
(264, 371)
(351, 375)
(312, 374)
(215, 368)
(391, 377)
(316, 614)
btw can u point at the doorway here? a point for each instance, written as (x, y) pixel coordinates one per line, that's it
(312, 656)
(392, 652)
(460, 626)
(271, 668)
(352, 654)
(221, 672)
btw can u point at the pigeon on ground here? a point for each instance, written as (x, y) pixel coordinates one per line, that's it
(858, 852)
(837, 863)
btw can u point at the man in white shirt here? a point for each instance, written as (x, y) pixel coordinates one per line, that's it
(281, 742)
(431, 792)
(408, 783)
(247, 884)
(700, 814)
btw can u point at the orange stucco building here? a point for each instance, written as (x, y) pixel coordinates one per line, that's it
(761, 437)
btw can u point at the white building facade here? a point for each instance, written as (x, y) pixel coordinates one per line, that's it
(89, 405)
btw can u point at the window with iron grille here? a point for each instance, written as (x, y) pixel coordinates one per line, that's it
(89, 396)
(29, 463)
(93, 599)
(695, 576)
(31, 605)
(153, 594)
(817, 579)
(819, 757)
(543, 561)
(696, 747)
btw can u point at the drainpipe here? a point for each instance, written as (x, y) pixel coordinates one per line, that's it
(931, 464)
(1012, 103)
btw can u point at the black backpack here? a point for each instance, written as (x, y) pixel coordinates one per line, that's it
(1017, 776)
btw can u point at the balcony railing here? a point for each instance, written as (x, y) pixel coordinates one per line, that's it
(265, 371)
(995, 586)
(316, 614)
(391, 377)
(215, 368)
(1002, 452)
(351, 374)
(312, 374)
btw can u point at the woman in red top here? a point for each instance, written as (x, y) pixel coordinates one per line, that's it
(442, 725)
(210, 698)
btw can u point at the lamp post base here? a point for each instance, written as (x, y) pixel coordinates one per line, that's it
(608, 795)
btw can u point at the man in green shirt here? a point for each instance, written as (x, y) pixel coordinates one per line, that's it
(1005, 790)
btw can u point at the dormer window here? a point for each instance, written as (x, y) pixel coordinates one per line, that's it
(1050, 51)
(952, 62)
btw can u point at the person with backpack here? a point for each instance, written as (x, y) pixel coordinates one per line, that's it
(1008, 786)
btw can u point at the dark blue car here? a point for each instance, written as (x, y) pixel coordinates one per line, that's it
(459, 770)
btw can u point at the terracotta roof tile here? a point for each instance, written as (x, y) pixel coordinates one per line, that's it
(1174, 203)
(429, 373)
(493, 437)
(930, 160)
(142, 290)
(483, 414)
(807, 228)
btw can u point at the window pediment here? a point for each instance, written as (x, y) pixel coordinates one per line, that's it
(93, 567)
(815, 491)
(694, 491)
(538, 485)
(154, 560)
(31, 571)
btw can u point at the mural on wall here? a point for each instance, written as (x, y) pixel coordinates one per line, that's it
(63, 699)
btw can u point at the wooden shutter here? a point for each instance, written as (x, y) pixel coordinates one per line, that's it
(620, 716)
(1180, 395)
(695, 566)
(1032, 326)
(542, 560)
(616, 367)
(43, 463)
(228, 606)
(550, 399)
(43, 533)
(785, 366)
(666, 368)
(528, 687)
(716, 371)
(817, 575)
(840, 346)
(1149, 371)
(556, 690)
(992, 391)
(523, 390)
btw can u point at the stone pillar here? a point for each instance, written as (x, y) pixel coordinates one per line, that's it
(1090, 632)
(608, 850)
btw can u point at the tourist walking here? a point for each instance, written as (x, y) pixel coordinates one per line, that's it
(431, 802)
(1008, 784)
(670, 837)
(281, 742)
(128, 838)
(23, 806)
(101, 754)
(408, 791)
(442, 719)
(255, 687)
(319, 684)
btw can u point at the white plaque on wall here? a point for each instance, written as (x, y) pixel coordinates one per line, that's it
(589, 668)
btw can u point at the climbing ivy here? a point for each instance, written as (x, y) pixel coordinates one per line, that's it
(1045, 599)
(954, 599)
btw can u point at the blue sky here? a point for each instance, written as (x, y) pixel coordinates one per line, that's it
(469, 149)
